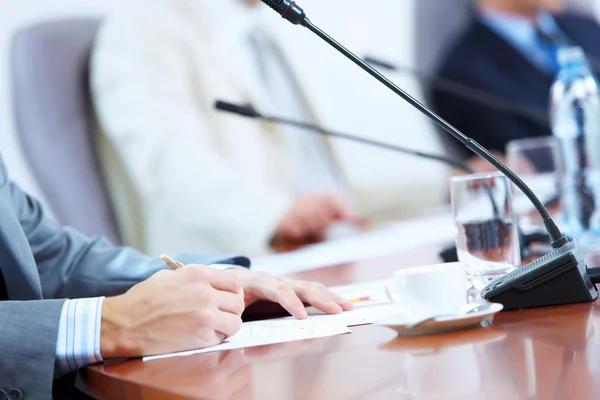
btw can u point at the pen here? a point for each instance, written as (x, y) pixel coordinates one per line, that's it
(170, 263)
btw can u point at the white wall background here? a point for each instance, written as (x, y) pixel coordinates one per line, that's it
(390, 22)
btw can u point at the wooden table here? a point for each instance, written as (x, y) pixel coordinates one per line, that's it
(549, 353)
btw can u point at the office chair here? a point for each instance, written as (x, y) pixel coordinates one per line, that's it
(54, 122)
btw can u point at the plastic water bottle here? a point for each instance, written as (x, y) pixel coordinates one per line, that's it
(575, 120)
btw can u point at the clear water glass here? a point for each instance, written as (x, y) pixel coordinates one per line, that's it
(487, 239)
(537, 162)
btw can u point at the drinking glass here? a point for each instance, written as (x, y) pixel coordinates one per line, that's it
(537, 162)
(487, 239)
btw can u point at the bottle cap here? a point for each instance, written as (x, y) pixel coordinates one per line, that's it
(569, 55)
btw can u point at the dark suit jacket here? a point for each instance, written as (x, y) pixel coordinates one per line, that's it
(484, 60)
(42, 264)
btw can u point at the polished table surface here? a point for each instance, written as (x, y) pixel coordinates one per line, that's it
(547, 353)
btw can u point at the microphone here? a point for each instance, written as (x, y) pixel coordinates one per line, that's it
(250, 112)
(560, 277)
(465, 92)
(244, 111)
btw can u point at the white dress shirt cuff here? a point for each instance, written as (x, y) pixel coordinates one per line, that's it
(79, 335)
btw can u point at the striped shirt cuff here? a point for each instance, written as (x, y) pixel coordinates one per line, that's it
(79, 335)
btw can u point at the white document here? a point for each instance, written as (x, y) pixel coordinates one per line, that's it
(289, 329)
(373, 290)
(261, 333)
(365, 315)
(385, 241)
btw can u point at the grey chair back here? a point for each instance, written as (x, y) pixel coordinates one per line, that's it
(55, 124)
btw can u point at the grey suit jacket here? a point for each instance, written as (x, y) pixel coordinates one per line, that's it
(43, 264)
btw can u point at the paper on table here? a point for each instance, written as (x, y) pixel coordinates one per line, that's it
(374, 291)
(389, 240)
(288, 329)
(260, 333)
(364, 313)
(359, 316)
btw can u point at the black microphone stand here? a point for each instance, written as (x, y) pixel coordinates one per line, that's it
(560, 277)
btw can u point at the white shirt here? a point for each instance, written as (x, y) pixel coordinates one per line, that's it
(311, 167)
(520, 32)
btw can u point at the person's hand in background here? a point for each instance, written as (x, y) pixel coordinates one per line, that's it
(310, 217)
(192, 307)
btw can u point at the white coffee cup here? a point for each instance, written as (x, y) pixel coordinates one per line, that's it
(423, 292)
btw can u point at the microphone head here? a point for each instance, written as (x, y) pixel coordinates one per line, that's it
(245, 111)
(288, 10)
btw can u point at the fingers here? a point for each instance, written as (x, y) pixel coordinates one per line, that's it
(224, 281)
(339, 209)
(292, 295)
(227, 324)
(218, 279)
(317, 214)
(311, 216)
(345, 304)
(321, 298)
(290, 229)
(230, 302)
(281, 292)
(314, 221)
(321, 301)
(213, 339)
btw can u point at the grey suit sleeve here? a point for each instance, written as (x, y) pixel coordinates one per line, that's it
(72, 265)
(29, 367)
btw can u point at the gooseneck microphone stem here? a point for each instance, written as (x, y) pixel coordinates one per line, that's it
(557, 238)
(371, 142)
(470, 93)
(250, 112)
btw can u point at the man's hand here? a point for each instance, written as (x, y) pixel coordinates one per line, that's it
(289, 293)
(309, 218)
(191, 308)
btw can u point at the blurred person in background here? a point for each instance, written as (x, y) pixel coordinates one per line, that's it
(186, 178)
(509, 51)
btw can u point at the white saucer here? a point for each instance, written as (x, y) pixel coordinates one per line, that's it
(399, 322)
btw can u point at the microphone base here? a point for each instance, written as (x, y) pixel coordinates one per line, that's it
(560, 277)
